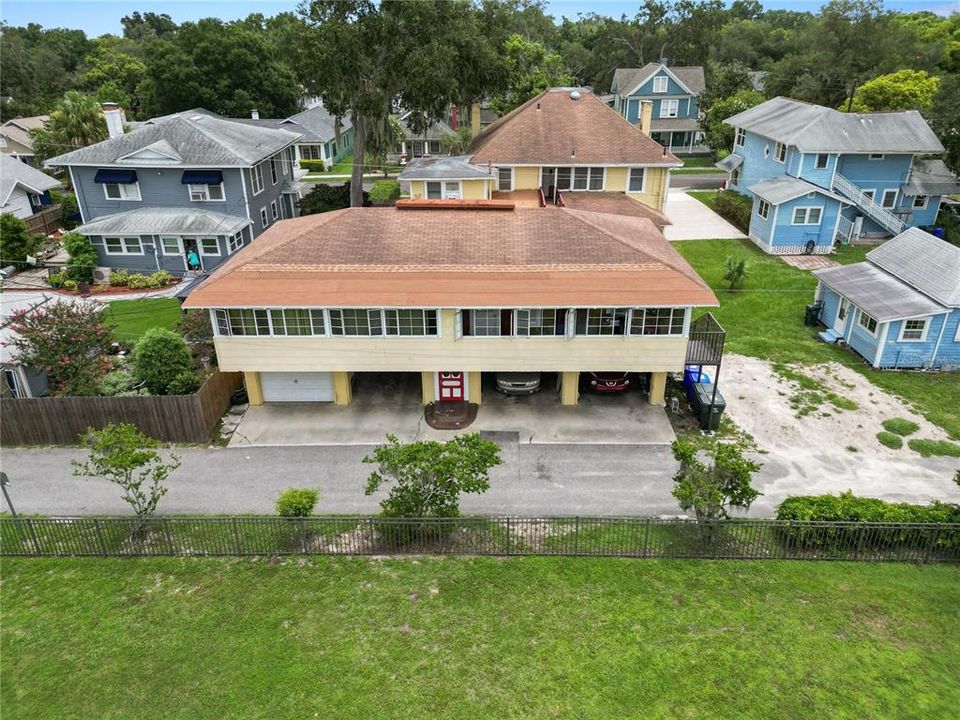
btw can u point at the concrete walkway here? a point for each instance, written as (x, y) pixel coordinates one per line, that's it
(692, 220)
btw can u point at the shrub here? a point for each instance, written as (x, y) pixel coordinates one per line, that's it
(734, 207)
(926, 448)
(159, 357)
(71, 285)
(385, 191)
(324, 198)
(297, 502)
(56, 279)
(890, 440)
(737, 270)
(15, 242)
(159, 279)
(312, 165)
(83, 257)
(119, 278)
(195, 326)
(900, 426)
(116, 382)
(185, 383)
(137, 281)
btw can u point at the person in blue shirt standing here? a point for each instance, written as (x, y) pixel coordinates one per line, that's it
(193, 260)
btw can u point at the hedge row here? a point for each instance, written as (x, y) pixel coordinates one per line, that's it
(735, 208)
(313, 165)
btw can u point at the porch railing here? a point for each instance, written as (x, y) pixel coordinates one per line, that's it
(886, 219)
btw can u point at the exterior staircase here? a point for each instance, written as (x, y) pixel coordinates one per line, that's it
(879, 214)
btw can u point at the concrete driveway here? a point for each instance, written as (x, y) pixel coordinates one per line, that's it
(391, 403)
(692, 220)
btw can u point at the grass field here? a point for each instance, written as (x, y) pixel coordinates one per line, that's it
(134, 317)
(765, 320)
(478, 637)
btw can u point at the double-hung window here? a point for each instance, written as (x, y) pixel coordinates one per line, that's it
(411, 323)
(867, 323)
(434, 191)
(914, 330)
(539, 323)
(256, 178)
(806, 216)
(297, 321)
(741, 137)
(660, 84)
(120, 191)
(246, 322)
(780, 153)
(171, 246)
(823, 159)
(274, 175)
(564, 177)
(889, 198)
(122, 246)
(274, 212)
(264, 219)
(635, 181)
(657, 321)
(763, 209)
(735, 176)
(920, 202)
(235, 242)
(209, 246)
(203, 193)
(669, 108)
(505, 179)
(588, 178)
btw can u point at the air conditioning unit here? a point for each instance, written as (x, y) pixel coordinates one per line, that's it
(101, 275)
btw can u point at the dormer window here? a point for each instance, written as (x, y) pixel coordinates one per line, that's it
(660, 84)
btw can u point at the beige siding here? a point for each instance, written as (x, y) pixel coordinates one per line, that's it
(526, 178)
(266, 354)
(474, 190)
(656, 185)
(418, 189)
(616, 180)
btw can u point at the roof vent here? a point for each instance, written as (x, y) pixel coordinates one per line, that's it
(574, 94)
(538, 107)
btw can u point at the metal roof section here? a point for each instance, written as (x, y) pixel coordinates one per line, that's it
(165, 221)
(931, 177)
(877, 293)
(785, 188)
(444, 167)
(927, 263)
(729, 163)
(813, 128)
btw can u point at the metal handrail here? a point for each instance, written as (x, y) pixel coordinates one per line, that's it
(877, 212)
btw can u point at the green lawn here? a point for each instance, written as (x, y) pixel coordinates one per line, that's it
(699, 162)
(765, 320)
(478, 637)
(134, 317)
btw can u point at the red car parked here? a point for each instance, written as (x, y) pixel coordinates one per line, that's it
(608, 381)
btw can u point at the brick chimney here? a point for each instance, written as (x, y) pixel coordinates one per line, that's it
(646, 116)
(115, 118)
(255, 114)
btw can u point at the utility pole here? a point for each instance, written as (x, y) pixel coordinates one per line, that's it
(853, 90)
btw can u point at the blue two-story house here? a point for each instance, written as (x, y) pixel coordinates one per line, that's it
(901, 307)
(818, 176)
(674, 93)
(182, 193)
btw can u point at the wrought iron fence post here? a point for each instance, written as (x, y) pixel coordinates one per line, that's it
(236, 535)
(508, 535)
(99, 532)
(302, 522)
(33, 535)
(168, 536)
(934, 536)
(576, 535)
(646, 537)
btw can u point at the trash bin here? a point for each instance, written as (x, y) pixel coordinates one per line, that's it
(812, 318)
(709, 416)
(692, 376)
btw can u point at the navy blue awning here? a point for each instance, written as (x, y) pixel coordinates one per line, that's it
(202, 177)
(121, 177)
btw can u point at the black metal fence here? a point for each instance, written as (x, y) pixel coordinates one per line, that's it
(573, 536)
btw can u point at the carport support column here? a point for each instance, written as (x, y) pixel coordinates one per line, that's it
(474, 389)
(658, 388)
(252, 382)
(569, 388)
(426, 381)
(342, 392)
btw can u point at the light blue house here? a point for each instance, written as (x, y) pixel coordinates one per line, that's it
(818, 176)
(901, 307)
(673, 92)
(181, 193)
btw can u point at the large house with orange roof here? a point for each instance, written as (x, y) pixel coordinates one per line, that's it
(447, 291)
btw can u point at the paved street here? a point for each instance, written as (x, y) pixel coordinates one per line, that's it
(705, 181)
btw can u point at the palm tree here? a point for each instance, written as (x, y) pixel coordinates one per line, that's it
(737, 271)
(76, 122)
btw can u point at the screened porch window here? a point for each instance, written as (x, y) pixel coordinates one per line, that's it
(540, 322)
(657, 321)
(601, 321)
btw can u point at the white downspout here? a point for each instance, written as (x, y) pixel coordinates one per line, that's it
(936, 348)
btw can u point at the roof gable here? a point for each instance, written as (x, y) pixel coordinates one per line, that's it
(924, 262)
(160, 151)
(14, 173)
(627, 81)
(554, 128)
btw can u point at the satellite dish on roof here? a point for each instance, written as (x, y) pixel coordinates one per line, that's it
(574, 94)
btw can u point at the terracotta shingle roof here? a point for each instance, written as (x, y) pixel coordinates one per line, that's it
(555, 129)
(613, 203)
(455, 258)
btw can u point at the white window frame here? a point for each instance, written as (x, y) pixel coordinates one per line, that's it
(922, 205)
(203, 250)
(523, 321)
(673, 314)
(780, 153)
(164, 239)
(602, 321)
(124, 245)
(473, 322)
(661, 83)
(735, 176)
(643, 179)
(875, 156)
(865, 326)
(740, 139)
(445, 193)
(923, 331)
(512, 180)
(203, 191)
(264, 218)
(256, 178)
(234, 242)
(669, 108)
(806, 212)
(826, 161)
(391, 322)
(870, 193)
(883, 198)
(126, 195)
(274, 175)
(274, 211)
(763, 208)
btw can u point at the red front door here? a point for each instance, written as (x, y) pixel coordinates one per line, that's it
(451, 385)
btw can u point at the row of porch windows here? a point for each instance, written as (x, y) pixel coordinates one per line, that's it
(519, 322)
(575, 178)
(170, 246)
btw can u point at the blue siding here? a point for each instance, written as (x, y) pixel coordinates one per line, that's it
(927, 215)
(673, 88)
(761, 228)
(808, 170)
(921, 354)
(758, 163)
(822, 234)
(153, 259)
(688, 105)
(859, 339)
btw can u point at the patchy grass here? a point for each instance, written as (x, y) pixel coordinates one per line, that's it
(765, 320)
(467, 638)
(134, 317)
(850, 254)
(811, 394)
(852, 449)
(900, 426)
(926, 448)
(704, 196)
(700, 161)
(890, 440)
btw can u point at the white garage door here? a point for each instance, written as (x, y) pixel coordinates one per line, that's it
(297, 387)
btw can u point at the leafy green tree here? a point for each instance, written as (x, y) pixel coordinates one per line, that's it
(724, 80)
(159, 356)
(710, 490)
(428, 477)
(116, 72)
(146, 26)
(458, 143)
(717, 134)
(737, 269)
(361, 56)
(531, 69)
(68, 340)
(15, 242)
(123, 455)
(944, 117)
(76, 122)
(83, 257)
(901, 90)
(324, 198)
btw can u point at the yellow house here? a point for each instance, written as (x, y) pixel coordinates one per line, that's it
(447, 291)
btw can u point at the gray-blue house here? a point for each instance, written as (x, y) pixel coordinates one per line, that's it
(901, 307)
(188, 186)
(818, 176)
(675, 95)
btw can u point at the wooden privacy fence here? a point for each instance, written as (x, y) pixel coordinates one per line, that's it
(634, 537)
(45, 221)
(172, 418)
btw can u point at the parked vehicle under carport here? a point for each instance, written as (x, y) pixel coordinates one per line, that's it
(607, 382)
(518, 383)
